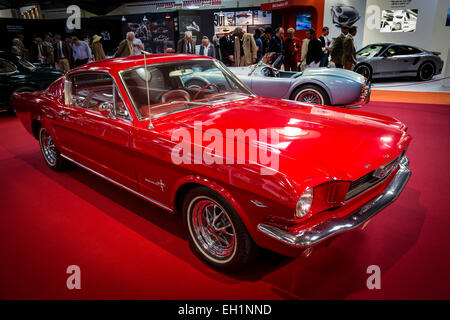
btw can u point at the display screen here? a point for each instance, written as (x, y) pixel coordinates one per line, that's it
(447, 23)
(303, 21)
(399, 20)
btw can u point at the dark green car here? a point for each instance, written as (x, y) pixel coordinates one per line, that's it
(19, 75)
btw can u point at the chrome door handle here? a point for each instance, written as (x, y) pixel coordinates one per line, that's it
(63, 113)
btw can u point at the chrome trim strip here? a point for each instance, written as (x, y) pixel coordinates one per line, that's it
(159, 204)
(331, 227)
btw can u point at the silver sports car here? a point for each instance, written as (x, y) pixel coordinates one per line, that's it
(324, 86)
(388, 60)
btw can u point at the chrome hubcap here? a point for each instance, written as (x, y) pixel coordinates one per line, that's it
(310, 97)
(48, 147)
(213, 229)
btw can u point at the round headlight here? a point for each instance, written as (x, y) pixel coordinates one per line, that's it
(304, 203)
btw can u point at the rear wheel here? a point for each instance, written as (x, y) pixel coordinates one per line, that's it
(216, 233)
(311, 93)
(364, 70)
(426, 71)
(49, 151)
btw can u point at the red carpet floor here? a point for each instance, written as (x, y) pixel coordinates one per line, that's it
(127, 248)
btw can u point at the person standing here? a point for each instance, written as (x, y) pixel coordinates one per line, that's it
(206, 49)
(62, 54)
(314, 54)
(259, 44)
(265, 38)
(126, 46)
(138, 46)
(226, 43)
(216, 46)
(23, 49)
(348, 50)
(325, 46)
(49, 48)
(291, 46)
(245, 49)
(337, 48)
(276, 42)
(304, 52)
(81, 52)
(186, 45)
(38, 52)
(97, 48)
(69, 42)
(15, 49)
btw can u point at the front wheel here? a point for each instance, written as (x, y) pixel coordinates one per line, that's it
(216, 233)
(311, 93)
(51, 154)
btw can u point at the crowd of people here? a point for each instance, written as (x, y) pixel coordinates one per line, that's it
(237, 48)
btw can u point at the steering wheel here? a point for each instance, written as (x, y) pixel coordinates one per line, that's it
(203, 88)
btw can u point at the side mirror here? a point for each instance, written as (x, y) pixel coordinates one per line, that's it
(107, 110)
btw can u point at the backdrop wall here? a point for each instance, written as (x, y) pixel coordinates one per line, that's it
(430, 33)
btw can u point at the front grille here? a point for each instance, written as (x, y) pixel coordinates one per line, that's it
(367, 181)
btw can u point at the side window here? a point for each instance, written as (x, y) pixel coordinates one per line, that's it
(6, 66)
(398, 51)
(92, 91)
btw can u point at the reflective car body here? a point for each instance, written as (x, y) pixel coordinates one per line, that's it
(339, 87)
(17, 74)
(354, 161)
(388, 60)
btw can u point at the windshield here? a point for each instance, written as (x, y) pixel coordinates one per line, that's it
(370, 51)
(179, 85)
(27, 64)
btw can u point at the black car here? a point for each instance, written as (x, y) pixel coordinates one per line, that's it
(19, 75)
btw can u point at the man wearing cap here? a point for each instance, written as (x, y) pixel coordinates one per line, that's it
(337, 48)
(62, 54)
(226, 43)
(206, 49)
(348, 49)
(245, 49)
(97, 48)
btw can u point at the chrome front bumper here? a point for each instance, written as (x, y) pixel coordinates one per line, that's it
(314, 235)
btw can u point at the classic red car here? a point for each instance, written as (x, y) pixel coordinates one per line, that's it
(307, 174)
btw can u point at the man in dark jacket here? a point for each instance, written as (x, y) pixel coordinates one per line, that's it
(226, 43)
(314, 54)
(265, 38)
(62, 54)
(348, 49)
(276, 42)
(185, 45)
(337, 48)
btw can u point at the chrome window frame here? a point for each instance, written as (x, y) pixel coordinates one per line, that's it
(218, 63)
(68, 90)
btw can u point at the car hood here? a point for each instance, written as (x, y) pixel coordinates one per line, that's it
(339, 143)
(334, 72)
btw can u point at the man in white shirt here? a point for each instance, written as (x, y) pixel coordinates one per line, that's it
(326, 42)
(138, 46)
(206, 49)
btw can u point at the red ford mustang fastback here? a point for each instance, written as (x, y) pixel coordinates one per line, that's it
(244, 171)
